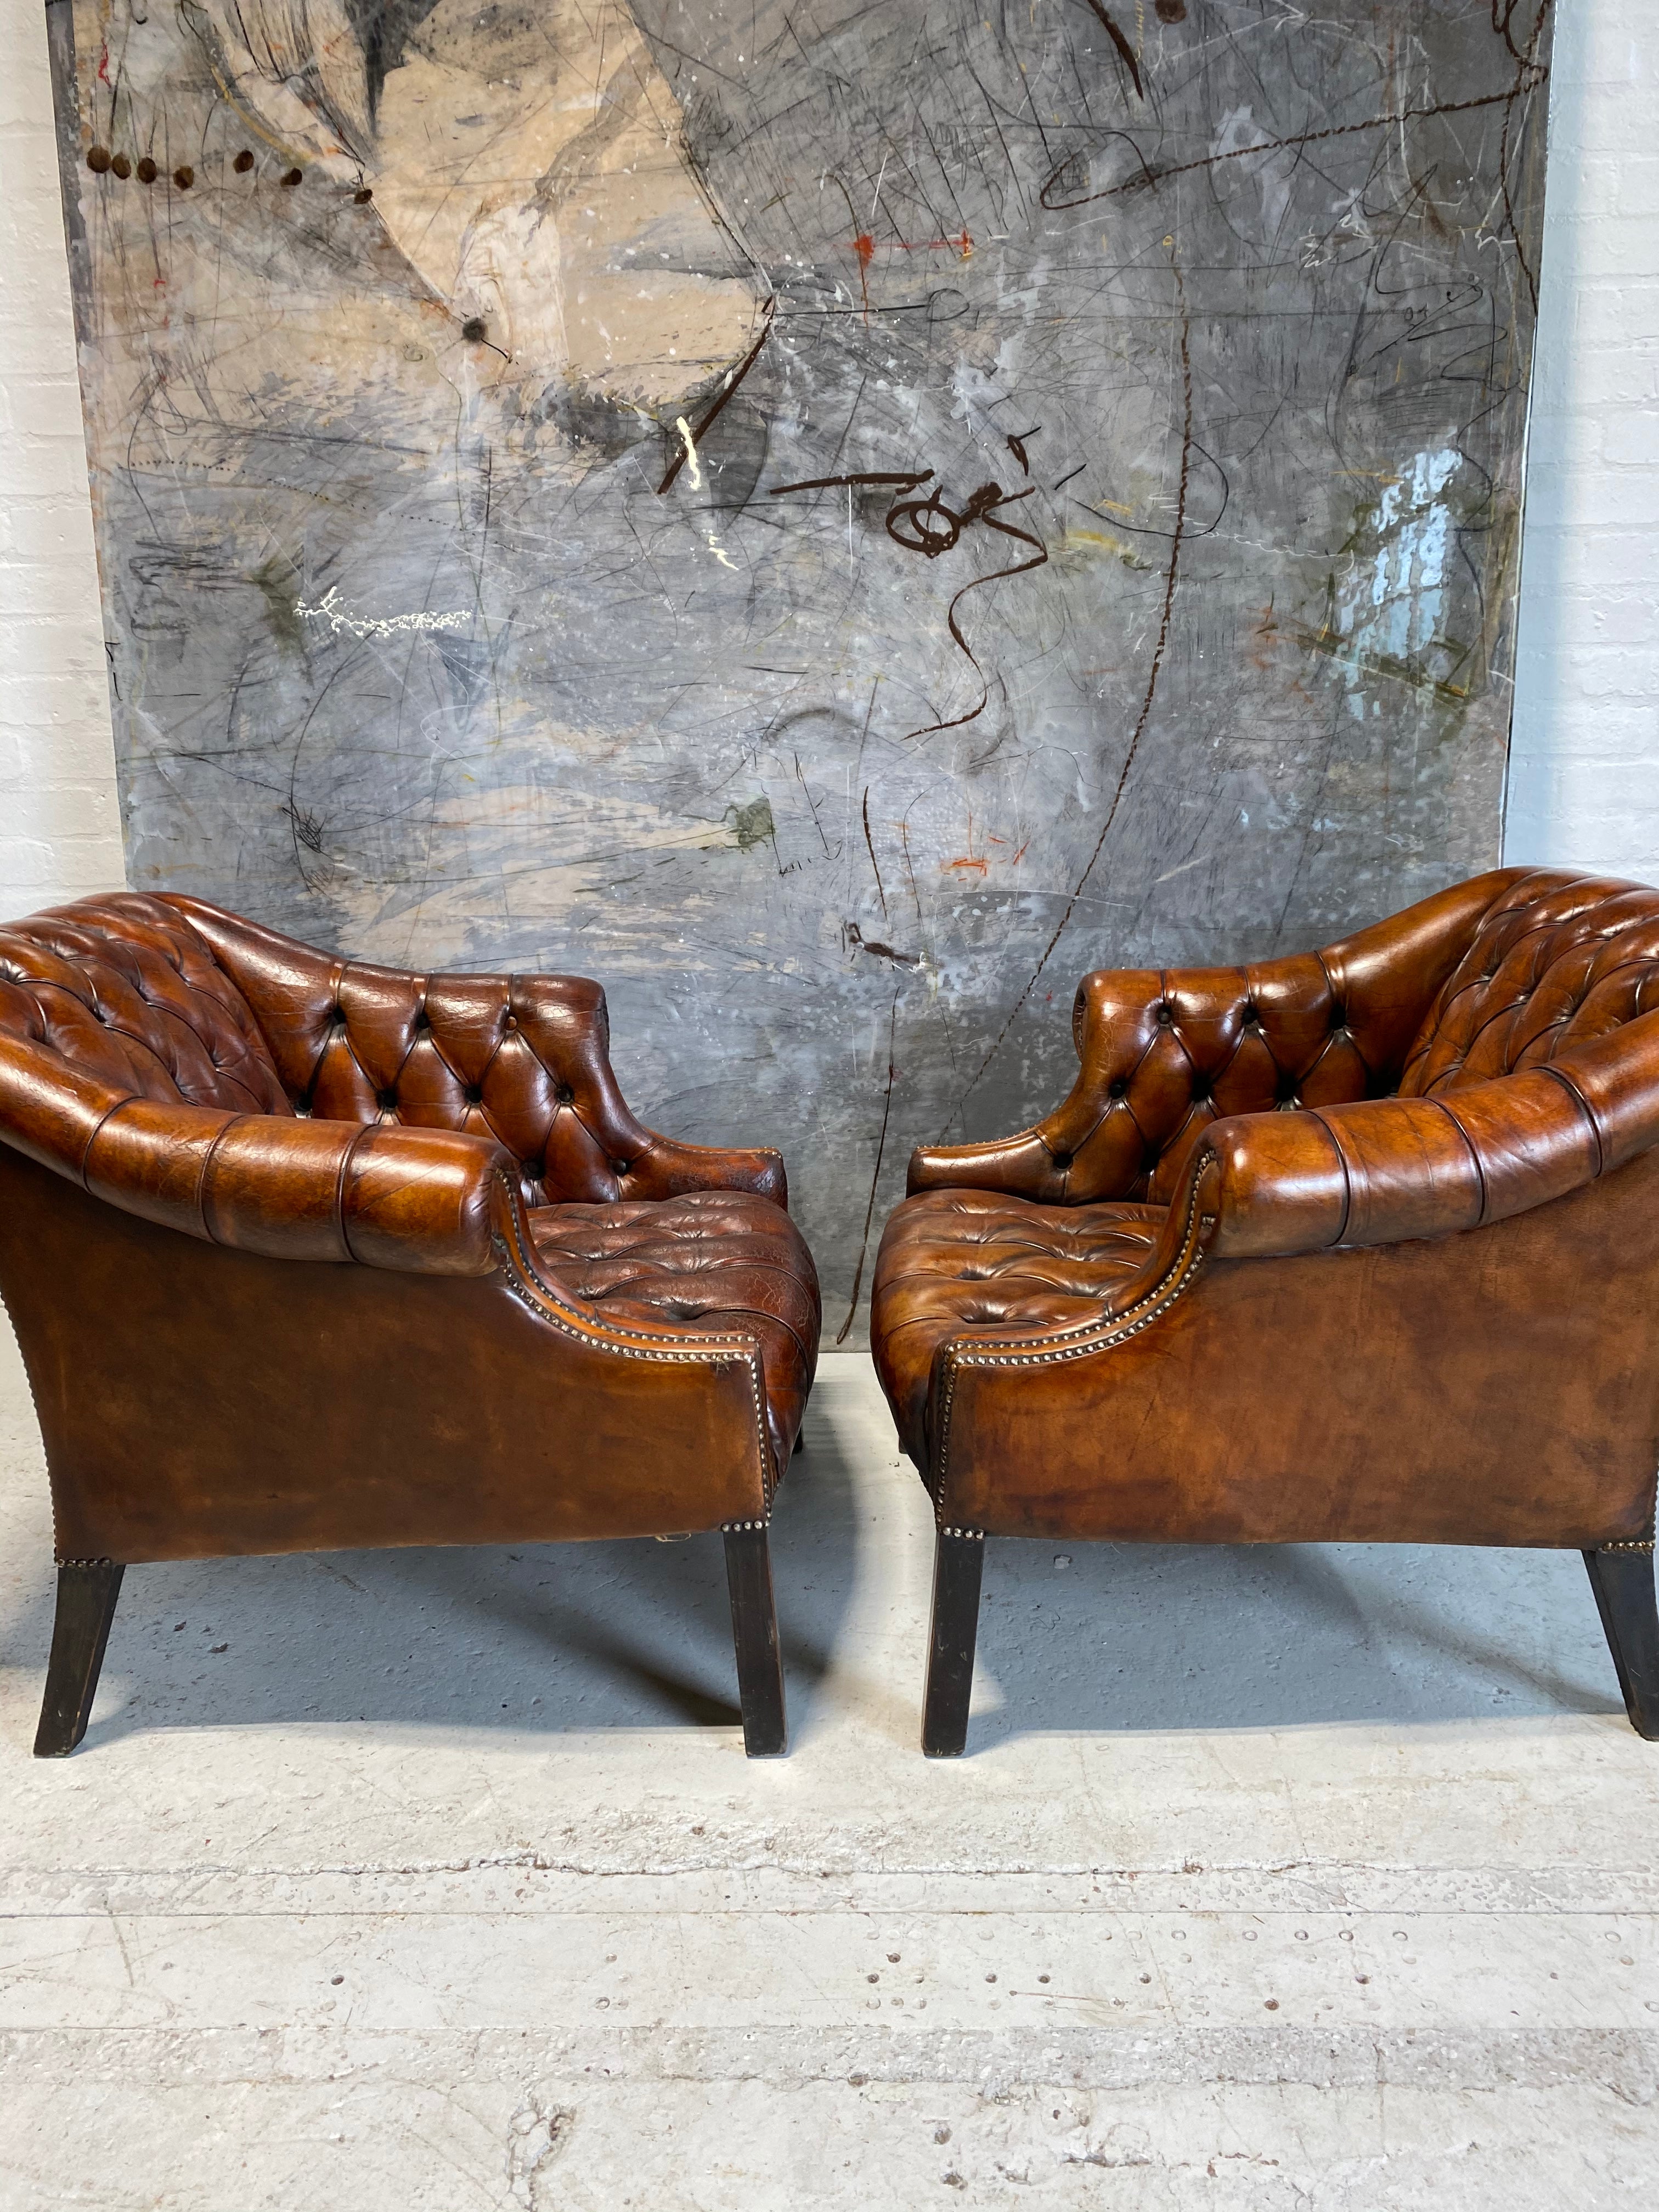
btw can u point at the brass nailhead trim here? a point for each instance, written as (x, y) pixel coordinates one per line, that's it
(86, 1563)
(731, 1527)
(1635, 1544)
(1098, 1335)
(974, 1536)
(707, 1353)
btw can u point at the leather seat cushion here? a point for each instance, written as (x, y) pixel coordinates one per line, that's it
(954, 1261)
(711, 1259)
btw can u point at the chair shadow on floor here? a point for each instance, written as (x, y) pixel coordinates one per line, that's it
(555, 1639)
(1128, 1637)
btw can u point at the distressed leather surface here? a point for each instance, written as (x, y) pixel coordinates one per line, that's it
(192, 1072)
(1490, 1057)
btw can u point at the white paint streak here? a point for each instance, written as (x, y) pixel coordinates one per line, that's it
(332, 610)
(690, 445)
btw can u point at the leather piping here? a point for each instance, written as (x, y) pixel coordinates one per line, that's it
(346, 1158)
(1469, 1146)
(1584, 1107)
(1335, 1143)
(98, 1131)
(219, 1136)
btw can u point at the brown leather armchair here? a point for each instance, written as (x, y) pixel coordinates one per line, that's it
(1357, 1245)
(305, 1253)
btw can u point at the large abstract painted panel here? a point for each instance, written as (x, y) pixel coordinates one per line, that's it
(833, 519)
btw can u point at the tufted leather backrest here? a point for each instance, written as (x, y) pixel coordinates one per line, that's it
(522, 1060)
(1558, 960)
(122, 990)
(171, 1000)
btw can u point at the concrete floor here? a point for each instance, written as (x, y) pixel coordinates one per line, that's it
(1307, 1877)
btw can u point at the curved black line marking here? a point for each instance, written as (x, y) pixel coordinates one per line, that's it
(1141, 720)
(1125, 50)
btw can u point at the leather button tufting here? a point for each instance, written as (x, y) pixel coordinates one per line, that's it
(1116, 1087)
(386, 1099)
(1165, 1016)
(474, 1095)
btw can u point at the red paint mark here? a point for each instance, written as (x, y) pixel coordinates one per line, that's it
(1019, 856)
(103, 64)
(975, 867)
(865, 247)
(963, 244)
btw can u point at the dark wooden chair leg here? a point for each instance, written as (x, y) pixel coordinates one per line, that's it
(1622, 1578)
(958, 1566)
(755, 1635)
(87, 1591)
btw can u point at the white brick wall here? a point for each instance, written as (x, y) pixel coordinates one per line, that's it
(59, 826)
(1584, 771)
(1584, 759)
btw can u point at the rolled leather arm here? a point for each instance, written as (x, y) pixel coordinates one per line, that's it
(415, 1199)
(1391, 1169)
(667, 1169)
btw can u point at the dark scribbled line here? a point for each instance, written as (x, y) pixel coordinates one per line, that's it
(733, 378)
(900, 479)
(1147, 177)
(1126, 51)
(986, 513)
(1524, 62)
(881, 1146)
(870, 843)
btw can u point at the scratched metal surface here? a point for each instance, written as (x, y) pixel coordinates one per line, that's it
(451, 384)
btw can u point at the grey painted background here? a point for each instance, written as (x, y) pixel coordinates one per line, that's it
(449, 387)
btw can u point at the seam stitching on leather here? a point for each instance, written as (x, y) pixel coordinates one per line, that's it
(1583, 1106)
